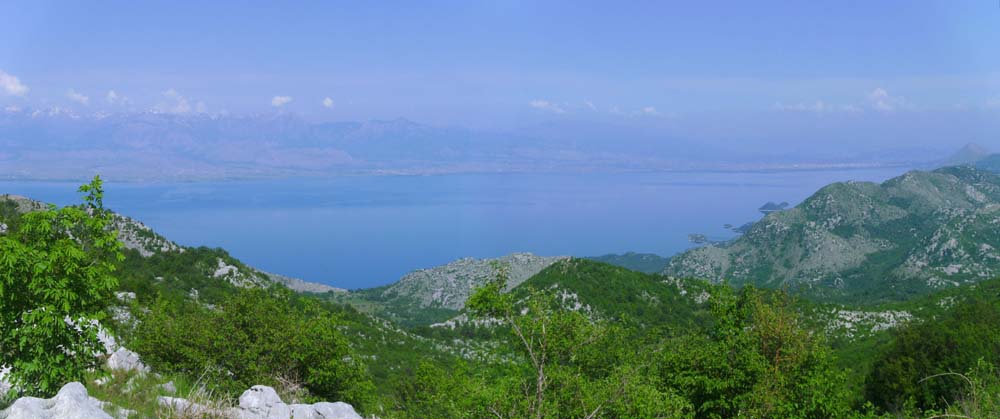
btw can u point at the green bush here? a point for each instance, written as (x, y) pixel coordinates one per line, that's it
(255, 336)
(56, 280)
(758, 361)
(953, 343)
(575, 366)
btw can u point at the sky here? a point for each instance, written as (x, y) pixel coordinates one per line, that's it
(770, 69)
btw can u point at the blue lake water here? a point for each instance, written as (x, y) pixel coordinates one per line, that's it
(365, 231)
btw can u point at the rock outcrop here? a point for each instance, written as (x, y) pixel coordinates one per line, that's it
(72, 402)
(259, 402)
(262, 402)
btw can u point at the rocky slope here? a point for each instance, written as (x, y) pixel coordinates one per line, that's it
(428, 296)
(448, 286)
(909, 235)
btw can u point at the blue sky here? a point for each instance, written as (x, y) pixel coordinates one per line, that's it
(504, 64)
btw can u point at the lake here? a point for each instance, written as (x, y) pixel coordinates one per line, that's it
(364, 231)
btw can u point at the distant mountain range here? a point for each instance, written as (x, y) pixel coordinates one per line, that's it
(58, 144)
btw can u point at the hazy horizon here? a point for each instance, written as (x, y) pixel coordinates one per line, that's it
(749, 83)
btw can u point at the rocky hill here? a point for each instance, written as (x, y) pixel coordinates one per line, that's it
(909, 235)
(427, 296)
(448, 286)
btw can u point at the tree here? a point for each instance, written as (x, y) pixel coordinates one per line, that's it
(56, 280)
(577, 367)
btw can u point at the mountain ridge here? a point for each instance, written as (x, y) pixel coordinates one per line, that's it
(907, 235)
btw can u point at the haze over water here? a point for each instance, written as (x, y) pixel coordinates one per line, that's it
(364, 231)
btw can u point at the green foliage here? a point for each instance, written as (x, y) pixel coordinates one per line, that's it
(757, 362)
(576, 366)
(56, 279)
(981, 397)
(649, 301)
(173, 275)
(954, 342)
(256, 336)
(642, 262)
(403, 310)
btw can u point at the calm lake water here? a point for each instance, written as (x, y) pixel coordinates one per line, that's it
(365, 231)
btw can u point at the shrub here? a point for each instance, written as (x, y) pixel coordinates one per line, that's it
(256, 336)
(56, 280)
(758, 361)
(952, 343)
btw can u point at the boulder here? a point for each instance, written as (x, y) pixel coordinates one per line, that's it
(72, 402)
(126, 360)
(262, 402)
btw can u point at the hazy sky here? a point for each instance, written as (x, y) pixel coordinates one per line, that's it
(763, 65)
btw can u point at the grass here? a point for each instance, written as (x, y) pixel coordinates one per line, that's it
(140, 392)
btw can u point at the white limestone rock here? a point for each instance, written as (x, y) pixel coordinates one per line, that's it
(72, 402)
(126, 360)
(262, 402)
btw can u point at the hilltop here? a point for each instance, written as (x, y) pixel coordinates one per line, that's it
(435, 294)
(909, 235)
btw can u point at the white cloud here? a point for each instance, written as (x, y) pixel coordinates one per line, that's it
(546, 106)
(77, 97)
(881, 100)
(12, 109)
(11, 86)
(993, 103)
(590, 105)
(818, 106)
(114, 98)
(200, 107)
(327, 102)
(279, 101)
(649, 110)
(176, 103)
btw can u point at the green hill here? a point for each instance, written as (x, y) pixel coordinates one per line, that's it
(643, 262)
(862, 241)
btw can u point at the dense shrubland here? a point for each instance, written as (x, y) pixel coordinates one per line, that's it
(254, 336)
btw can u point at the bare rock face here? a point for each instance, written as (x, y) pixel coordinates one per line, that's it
(72, 402)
